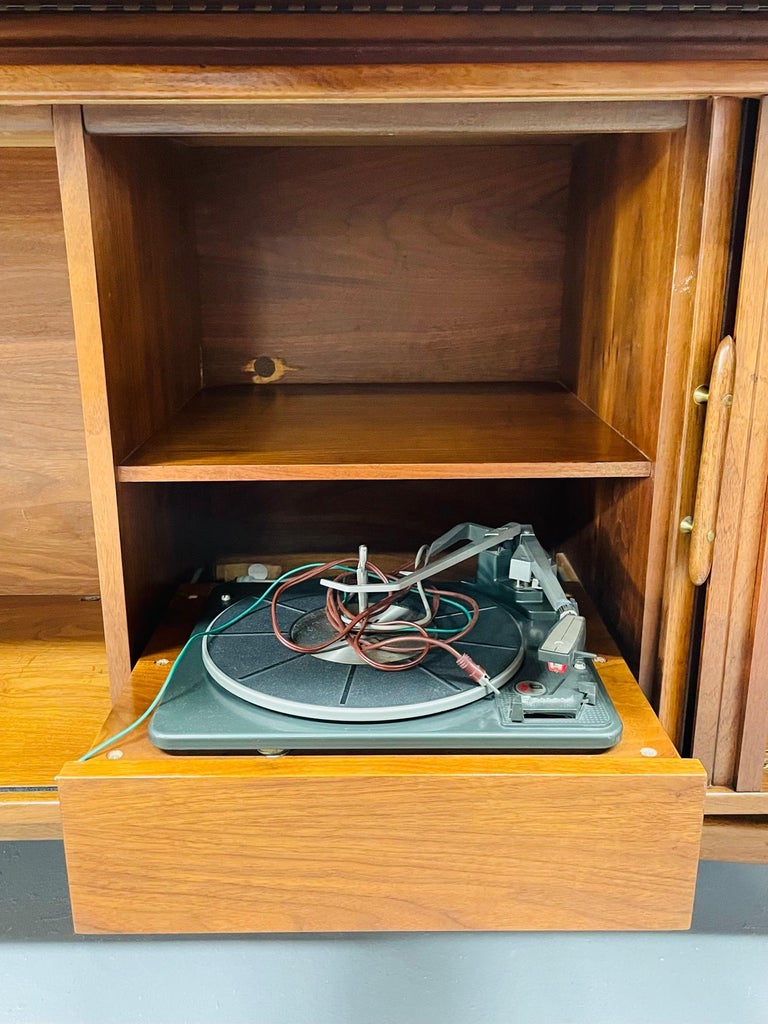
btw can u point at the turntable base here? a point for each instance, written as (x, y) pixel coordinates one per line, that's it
(199, 714)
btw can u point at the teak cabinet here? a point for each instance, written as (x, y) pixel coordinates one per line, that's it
(284, 309)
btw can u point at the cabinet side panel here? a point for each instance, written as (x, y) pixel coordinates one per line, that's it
(624, 214)
(625, 195)
(148, 297)
(78, 234)
(134, 292)
(388, 263)
(608, 548)
(46, 527)
(147, 281)
(548, 843)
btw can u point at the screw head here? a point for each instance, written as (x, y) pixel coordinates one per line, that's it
(114, 755)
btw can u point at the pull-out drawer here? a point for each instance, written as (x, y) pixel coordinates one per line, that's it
(161, 843)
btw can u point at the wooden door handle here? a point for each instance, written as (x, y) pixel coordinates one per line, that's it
(719, 398)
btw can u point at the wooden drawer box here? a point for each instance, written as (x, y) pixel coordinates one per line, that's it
(161, 843)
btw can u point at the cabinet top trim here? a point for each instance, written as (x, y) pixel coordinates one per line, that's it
(404, 83)
(384, 7)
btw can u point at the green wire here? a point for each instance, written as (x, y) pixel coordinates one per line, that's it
(458, 629)
(195, 636)
(219, 629)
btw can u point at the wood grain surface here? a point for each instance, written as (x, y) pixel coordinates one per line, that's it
(134, 297)
(377, 432)
(270, 517)
(26, 126)
(339, 121)
(622, 247)
(726, 658)
(189, 38)
(587, 80)
(46, 526)
(29, 816)
(697, 302)
(81, 261)
(440, 844)
(754, 739)
(147, 285)
(722, 800)
(397, 264)
(720, 398)
(735, 839)
(54, 693)
(148, 302)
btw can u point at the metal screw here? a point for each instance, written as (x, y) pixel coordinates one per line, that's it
(114, 755)
(649, 752)
(226, 598)
(162, 661)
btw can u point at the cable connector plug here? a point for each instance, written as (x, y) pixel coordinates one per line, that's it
(476, 673)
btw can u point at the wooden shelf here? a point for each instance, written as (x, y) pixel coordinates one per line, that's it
(372, 432)
(54, 694)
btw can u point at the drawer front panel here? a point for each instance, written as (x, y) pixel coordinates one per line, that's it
(419, 843)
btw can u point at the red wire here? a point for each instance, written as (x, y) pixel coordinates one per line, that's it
(351, 627)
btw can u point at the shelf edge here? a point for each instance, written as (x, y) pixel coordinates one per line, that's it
(202, 473)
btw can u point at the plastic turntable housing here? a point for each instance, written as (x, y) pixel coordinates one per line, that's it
(239, 688)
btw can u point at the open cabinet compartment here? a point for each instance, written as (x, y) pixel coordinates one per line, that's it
(303, 346)
(495, 310)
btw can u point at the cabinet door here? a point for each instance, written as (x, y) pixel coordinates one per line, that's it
(732, 709)
(696, 326)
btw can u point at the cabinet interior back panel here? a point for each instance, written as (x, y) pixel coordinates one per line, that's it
(46, 527)
(386, 263)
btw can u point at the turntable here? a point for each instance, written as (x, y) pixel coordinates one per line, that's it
(347, 657)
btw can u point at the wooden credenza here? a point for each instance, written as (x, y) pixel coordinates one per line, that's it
(275, 287)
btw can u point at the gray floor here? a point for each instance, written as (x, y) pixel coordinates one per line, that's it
(715, 974)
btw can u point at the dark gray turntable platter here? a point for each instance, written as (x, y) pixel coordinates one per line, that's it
(249, 661)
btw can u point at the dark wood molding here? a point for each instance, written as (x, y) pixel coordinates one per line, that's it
(253, 38)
